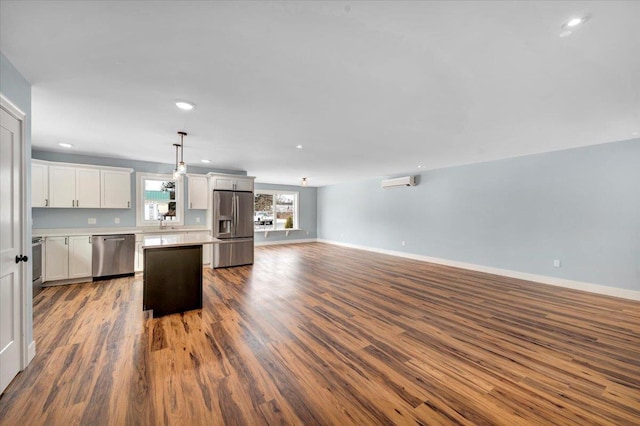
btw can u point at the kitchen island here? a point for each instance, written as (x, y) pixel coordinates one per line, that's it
(173, 272)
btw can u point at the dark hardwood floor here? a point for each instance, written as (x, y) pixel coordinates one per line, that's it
(316, 334)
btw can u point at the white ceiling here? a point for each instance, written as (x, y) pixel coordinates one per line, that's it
(368, 88)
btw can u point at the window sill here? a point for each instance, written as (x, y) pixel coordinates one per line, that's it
(286, 231)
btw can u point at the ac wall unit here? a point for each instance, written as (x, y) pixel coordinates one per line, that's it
(401, 181)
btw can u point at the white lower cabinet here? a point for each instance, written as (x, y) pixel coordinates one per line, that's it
(56, 258)
(80, 251)
(67, 257)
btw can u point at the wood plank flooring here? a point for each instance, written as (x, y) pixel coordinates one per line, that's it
(316, 334)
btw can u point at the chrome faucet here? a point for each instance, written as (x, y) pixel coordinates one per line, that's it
(161, 222)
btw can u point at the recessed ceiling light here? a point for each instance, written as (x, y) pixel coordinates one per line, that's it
(574, 22)
(635, 133)
(299, 146)
(420, 166)
(65, 145)
(187, 106)
(206, 161)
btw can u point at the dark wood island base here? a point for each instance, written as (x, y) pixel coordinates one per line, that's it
(172, 279)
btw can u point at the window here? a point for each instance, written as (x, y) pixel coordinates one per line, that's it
(159, 197)
(274, 210)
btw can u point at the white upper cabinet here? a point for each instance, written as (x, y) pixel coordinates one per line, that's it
(66, 185)
(244, 185)
(62, 186)
(39, 184)
(223, 183)
(116, 189)
(198, 192)
(74, 187)
(87, 188)
(232, 183)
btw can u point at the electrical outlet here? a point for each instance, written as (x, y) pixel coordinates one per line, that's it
(556, 263)
(116, 220)
(91, 221)
(198, 219)
(402, 243)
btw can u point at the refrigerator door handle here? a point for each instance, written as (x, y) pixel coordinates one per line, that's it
(236, 201)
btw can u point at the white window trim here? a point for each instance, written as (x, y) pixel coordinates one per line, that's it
(296, 209)
(140, 177)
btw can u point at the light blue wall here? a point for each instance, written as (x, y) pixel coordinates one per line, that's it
(581, 206)
(307, 215)
(18, 90)
(46, 218)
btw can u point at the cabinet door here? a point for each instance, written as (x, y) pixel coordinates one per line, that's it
(198, 192)
(88, 188)
(39, 184)
(244, 185)
(62, 186)
(138, 265)
(116, 189)
(56, 258)
(223, 183)
(80, 256)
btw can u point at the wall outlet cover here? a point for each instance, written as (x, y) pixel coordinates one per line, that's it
(91, 221)
(116, 220)
(556, 263)
(198, 219)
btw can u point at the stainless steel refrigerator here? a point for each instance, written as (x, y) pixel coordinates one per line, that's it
(232, 223)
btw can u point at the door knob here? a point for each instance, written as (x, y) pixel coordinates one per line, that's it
(20, 258)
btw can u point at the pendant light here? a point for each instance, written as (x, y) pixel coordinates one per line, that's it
(176, 175)
(182, 167)
(304, 181)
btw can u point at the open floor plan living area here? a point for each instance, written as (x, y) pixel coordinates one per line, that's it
(319, 212)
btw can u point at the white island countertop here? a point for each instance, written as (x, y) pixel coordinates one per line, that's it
(176, 240)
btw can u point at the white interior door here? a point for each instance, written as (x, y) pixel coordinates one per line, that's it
(10, 246)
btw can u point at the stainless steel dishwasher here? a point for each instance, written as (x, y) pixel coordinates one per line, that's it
(113, 255)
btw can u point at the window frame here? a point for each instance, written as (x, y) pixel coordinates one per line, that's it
(140, 179)
(274, 193)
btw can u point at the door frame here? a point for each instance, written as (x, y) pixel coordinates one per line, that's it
(27, 349)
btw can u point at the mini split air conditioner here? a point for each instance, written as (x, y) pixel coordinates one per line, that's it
(401, 181)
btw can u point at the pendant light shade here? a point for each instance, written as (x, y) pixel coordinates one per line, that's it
(176, 174)
(304, 181)
(181, 167)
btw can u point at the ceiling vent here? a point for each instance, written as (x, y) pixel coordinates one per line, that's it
(401, 181)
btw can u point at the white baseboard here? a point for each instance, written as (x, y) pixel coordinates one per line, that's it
(560, 282)
(31, 351)
(292, 241)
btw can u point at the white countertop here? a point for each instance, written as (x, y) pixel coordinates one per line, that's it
(176, 240)
(69, 232)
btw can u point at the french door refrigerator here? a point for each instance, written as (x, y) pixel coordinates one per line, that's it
(233, 224)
